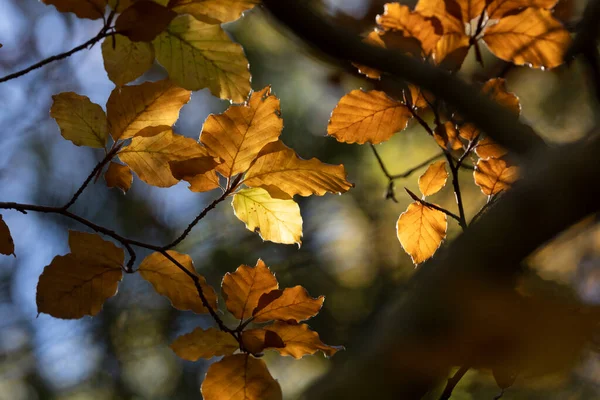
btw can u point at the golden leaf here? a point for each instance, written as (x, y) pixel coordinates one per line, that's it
(170, 281)
(362, 117)
(198, 55)
(79, 283)
(434, 178)
(199, 172)
(149, 157)
(275, 220)
(80, 121)
(127, 60)
(144, 20)
(496, 89)
(468, 131)
(7, 246)
(532, 37)
(498, 8)
(418, 98)
(471, 9)
(374, 39)
(446, 136)
(495, 175)
(487, 148)
(299, 340)
(242, 288)
(421, 230)
(257, 340)
(213, 11)
(238, 135)
(291, 304)
(201, 343)
(91, 9)
(118, 176)
(451, 50)
(449, 17)
(240, 377)
(133, 108)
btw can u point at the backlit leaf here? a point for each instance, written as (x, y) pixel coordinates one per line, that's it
(199, 172)
(299, 340)
(282, 168)
(468, 131)
(498, 8)
(213, 11)
(91, 9)
(434, 179)
(291, 304)
(421, 230)
(496, 89)
(127, 60)
(240, 377)
(7, 246)
(487, 148)
(495, 175)
(170, 281)
(149, 157)
(448, 13)
(446, 136)
(80, 121)
(204, 344)
(258, 340)
(374, 39)
(79, 283)
(362, 117)
(237, 135)
(451, 50)
(419, 98)
(275, 220)
(471, 9)
(198, 55)
(144, 20)
(532, 37)
(133, 108)
(118, 176)
(242, 288)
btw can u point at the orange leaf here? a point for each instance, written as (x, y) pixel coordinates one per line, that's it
(201, 343)
(91, 9)
(362, 117)
(446, 136)
(257, 340)
(118, 176)
(447, 12)
(240, 377)
(291, 304)
(487, 148)
(496, 89)
(421, 230)
(79, 283)
(238, 135)
(495, 175)
(199, 172)
(7, 246)
(299, 340)
(498, 8)
(434, 179)
(213, 11)
(242, 288)
(468, 131)
(374, 39)
(144, 20)
(170, 281)
(451, 50)
(418, 98)
(471, 9)
(125, 60)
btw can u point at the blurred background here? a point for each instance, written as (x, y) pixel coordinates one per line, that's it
(350, 252)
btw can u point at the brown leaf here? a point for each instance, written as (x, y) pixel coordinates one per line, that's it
(421, 230)
(446, 136)
(434, 178)
(374, 39)
(118, 176)
(468, 132)
(199, 172)
(258, 340)
(299, 340)
(242, 288)
(498, 8)
(79, 283)
(448, 13)
(487, 148)
(496, 89)
(7, 246)
(80, 121)
(362, 117)
(170, 281)
(451, 50)
(292, 304)
(495, 175)
(471, 9)
(125, 60)
(204, 344)
(213, 11)
(91, 9)
(144, 20)
(240, 377)
(418, 98)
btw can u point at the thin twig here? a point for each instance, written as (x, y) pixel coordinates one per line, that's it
(454, 168)
(452, 382)
(431, 205)
(410, 171)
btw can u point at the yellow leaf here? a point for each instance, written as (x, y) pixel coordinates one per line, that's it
(199, 172)
(80, 121)
(446, 136)
(118, 176)
(198, 55)
(419, 98)
(149, 157)
(275, 220)
(495, 175)
(133, 108)
(434, 179)
(242, 289)
(144, 20)
(451, 50)
(291, 304)
(127, 60)
(257, 340)
(299, 340)
(374, 39)
(7, 246)
(421, 230)
(213, 11)
(79, 283)
(91, 9)
(448, 13)
(471, 9)
(204, 344)
(532, 37)
(240, 377)
(498, 8)
(283, 169)
(170, 281)
(496, 89)
(362, 117)
(238, 135)
(487, 148)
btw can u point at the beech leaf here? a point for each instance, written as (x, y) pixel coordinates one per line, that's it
(90, 9)
(118, 176)
(144, 20)
(374, 39)
(199, 172)
(291, 304)
(421, 230)
(487, 148)
(7, 246)
(434, 178)
(498, 8)
(213, 11)
(80, 121)
(204, 344)
(495, 175)
(299, 340)
(496, 89)
(258, 340)
(125, 60)
(446, 136)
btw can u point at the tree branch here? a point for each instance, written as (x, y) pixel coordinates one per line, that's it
(452, 382)
(433, 206)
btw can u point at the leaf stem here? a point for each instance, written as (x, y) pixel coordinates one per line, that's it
(431, 205)
(452, 382)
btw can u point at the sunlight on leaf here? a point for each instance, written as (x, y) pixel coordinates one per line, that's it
(471, 9)
(7, 246)
(299, 340)
(118, 176)
(199, 172)
(204, 344)
(80, 121)
(374, 39)
(398, 17)
(127, 60)
(258, 340)
(213, 11)
(487, 148)
(91, 9)
(446, 136)
(495, 175)
(291, 304)
(496, 89)
(434, 178)
(498, 8)
(421, 230)
(144, 20)
(447, 12)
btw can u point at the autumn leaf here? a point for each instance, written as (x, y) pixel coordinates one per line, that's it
(240, 377)
(118, 176)
(133, 108)
(149, 157)
(495, 175)
(299, 340)
(471, 9)
(257, 340)
(170, 281)
(125, 60)
(421, 230)
(447, 12)
(198, 55)
(418, 98)
(374, 39)
(204, 344)
(291, 304)
(7, 246)
(242, 288)
(451, 50)
(468, 132)
(199, 172)
(80, 121)
(275, 220)
(446, 136)
(144, 20)
(213, 11)
(498, 8)
(237, 135)
(362, 117)
(282, 168)
(487, 148)
(79, 283)
(434, 178)
(91, 9)
(532, 37)
(496, 89)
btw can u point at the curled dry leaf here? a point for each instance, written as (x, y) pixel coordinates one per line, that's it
(125, 60)
(446, 136)
(80, 121)
(299, 340)
(204, 344)
(495, 175)
(7, 246)
(213, 11)
(144, 20)
(118, 176)
(91, 9)
(291, 304)
(421, 230)
(434, 178)
(199, 172)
